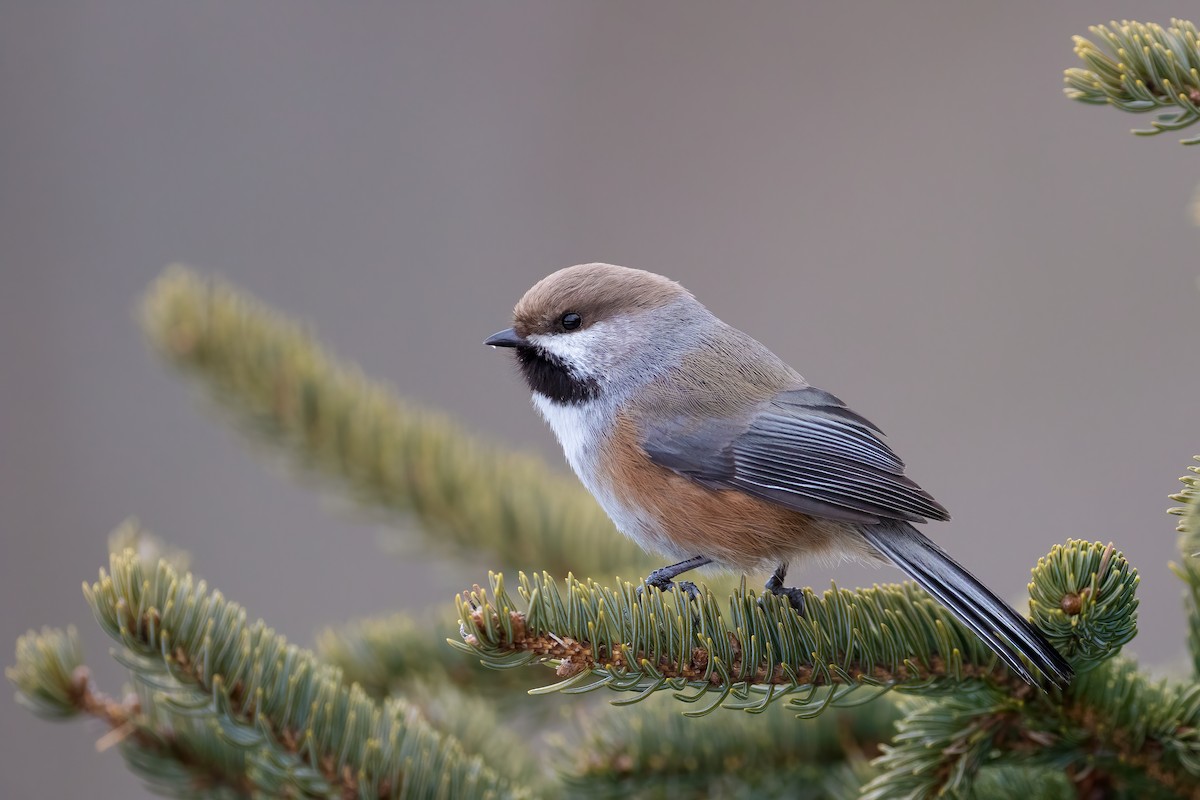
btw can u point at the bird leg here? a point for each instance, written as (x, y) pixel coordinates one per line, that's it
(775, 586)
(664, 577)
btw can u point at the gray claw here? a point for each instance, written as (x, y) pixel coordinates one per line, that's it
(795, 597)
(665, 586)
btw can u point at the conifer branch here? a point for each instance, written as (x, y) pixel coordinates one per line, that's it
(651, 750)
(286, 391)
(1140, 67)
(1188, 569)
(505, 742)
(1139, 735)
(760, 650)
(1113, 731)
(177, 756)
(382, 654)
(317, 733)
(942, 747)
(1084, 605)
(46, 673)
(1024, 781)
(385, 655)
(296, 727)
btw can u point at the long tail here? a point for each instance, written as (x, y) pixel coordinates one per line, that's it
(986, 615)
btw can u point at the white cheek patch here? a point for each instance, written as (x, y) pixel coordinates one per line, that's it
(586, 352)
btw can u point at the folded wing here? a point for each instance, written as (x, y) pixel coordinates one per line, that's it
(804, 450)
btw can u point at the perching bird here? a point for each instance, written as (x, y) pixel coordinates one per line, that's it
(705, 447)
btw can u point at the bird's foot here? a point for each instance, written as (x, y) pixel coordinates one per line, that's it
(795, 596)
(666, 585)
(662, 578)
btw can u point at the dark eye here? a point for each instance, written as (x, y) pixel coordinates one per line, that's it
(570, 321)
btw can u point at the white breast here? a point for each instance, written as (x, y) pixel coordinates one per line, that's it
(580, 428)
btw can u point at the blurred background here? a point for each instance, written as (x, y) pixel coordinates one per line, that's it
(897, 199)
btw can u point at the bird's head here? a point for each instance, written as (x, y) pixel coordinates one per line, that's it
(592, 328)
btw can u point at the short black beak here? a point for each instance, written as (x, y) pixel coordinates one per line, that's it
(505, 338)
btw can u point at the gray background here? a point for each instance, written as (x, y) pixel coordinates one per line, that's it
(894, 197)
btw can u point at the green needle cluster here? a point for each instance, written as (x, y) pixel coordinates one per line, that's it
(1141, 67)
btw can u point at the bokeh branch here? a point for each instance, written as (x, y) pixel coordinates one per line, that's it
(285, 390)
(388, 655)
(181, 755)
(1188, 569)
(1141, 67)
(651, 750)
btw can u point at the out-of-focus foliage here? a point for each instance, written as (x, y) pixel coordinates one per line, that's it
(328, 419)
(1141, 67)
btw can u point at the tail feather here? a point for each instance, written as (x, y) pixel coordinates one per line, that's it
(974, 604)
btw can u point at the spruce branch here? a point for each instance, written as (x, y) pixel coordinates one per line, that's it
(1115, 732)
(177, 755)
(303, 731)
(650, 750)
(282, 388)
(1141, 67)
(150, 549)
(1084, 606)
(401, 655)
(1188, 569)
(505, 742)
(759, 650)
(1143, 737)
(1025, 781)
(45, 673)
(385, 655)
(941, 748)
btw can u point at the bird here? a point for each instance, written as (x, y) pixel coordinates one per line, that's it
(704, 447)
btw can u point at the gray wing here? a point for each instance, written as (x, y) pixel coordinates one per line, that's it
(804, 450)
